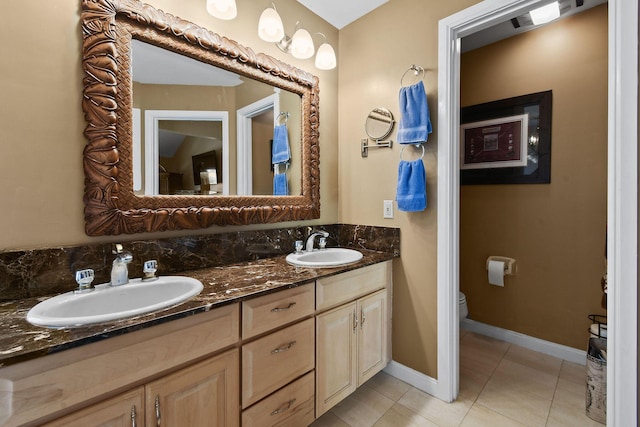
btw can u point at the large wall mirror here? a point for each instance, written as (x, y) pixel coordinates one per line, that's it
(180, 125)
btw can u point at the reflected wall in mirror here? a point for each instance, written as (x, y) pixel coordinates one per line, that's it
(145, 130)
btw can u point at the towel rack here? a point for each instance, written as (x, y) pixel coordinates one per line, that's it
(417, 70)
(416, 146)
(286, 117)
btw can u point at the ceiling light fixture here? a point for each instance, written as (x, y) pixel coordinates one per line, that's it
(222, 9)
(545, 14)
(300, 45)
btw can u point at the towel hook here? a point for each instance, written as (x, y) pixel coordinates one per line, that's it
(417, 70)
(286, 117)
(416, 146)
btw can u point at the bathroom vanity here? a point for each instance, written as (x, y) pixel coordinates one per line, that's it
(265, 343)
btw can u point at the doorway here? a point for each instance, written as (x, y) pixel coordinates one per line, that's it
(622, 195)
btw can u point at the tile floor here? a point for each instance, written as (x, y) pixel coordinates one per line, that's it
(501, 384)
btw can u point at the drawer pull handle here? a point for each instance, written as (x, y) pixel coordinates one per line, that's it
(283, 348)
(355, 320)
(284, 407)
(133, 416)
(158, 417)
(362, 317)
(279, 309)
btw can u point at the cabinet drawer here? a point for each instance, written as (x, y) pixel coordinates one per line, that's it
(334, 290)
(293, 406)
(271, 311)
(276, 359)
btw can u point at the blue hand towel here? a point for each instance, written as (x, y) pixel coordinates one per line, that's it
(411, 193)
(280, 186)
(280, 152)
(415, 120)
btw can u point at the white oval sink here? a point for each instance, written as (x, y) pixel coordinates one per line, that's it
(106, 303)
(330, 257)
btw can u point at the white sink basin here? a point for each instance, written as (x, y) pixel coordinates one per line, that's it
(330, 257)
(107, 303)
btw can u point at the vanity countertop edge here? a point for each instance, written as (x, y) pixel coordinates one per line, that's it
(20, 341)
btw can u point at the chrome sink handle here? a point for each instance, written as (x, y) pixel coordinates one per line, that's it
(311, 238)
(84, 278)
(149, 269)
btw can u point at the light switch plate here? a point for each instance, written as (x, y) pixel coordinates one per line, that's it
(387, 209)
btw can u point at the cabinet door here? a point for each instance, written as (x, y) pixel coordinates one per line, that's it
(372, 335)
(336, 356)
(205, 394)
(124, 410)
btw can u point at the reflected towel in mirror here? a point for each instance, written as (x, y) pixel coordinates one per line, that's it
(411, 194)
(415, 120)
(280, 185)
(280, 151)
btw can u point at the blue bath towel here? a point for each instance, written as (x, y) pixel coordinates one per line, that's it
(411, 193)
(280, 152)
(280, 186)
(415, 120)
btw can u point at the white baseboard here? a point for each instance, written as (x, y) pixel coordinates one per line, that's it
(547, 347)
(412, 377)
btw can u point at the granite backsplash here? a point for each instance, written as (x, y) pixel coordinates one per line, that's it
(43, 272)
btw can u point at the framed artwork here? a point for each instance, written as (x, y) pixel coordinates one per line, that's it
(497, 143)
(507, 141)
(203, 161)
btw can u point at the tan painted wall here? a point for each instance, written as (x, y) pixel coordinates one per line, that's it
(42, 123)
(374, 53)
(556, 231)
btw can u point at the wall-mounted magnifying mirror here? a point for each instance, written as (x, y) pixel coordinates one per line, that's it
(378, 126)
(379, 123)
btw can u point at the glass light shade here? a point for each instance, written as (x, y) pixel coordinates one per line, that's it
(326, 57)
(545, 14)
(302, 45)
(222, 9)
(270, 28)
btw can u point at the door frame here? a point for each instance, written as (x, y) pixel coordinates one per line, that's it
(244, 139)
(622, 200)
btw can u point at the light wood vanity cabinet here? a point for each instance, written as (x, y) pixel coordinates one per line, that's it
(277, 367)
(92, 374)
(352, 339)
(282, 359)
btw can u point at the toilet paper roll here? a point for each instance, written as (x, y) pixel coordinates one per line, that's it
(496, 273)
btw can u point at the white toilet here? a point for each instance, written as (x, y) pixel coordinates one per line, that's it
(463, 310)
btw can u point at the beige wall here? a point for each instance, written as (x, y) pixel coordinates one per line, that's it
(374, 53)
(555, 231)
(42, 122)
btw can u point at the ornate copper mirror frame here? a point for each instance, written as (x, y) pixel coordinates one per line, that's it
(111, 207)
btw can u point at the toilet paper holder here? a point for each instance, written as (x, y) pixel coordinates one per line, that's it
(510, 266)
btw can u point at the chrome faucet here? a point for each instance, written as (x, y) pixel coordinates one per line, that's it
(311, 238)
(120, 266)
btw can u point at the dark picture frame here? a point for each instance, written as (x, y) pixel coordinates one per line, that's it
(202, 161)
(476, 118)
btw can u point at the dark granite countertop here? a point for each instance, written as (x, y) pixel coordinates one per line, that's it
(21, 341)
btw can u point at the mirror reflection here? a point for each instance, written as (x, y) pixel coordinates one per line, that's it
(379, 123)
(186, 111)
